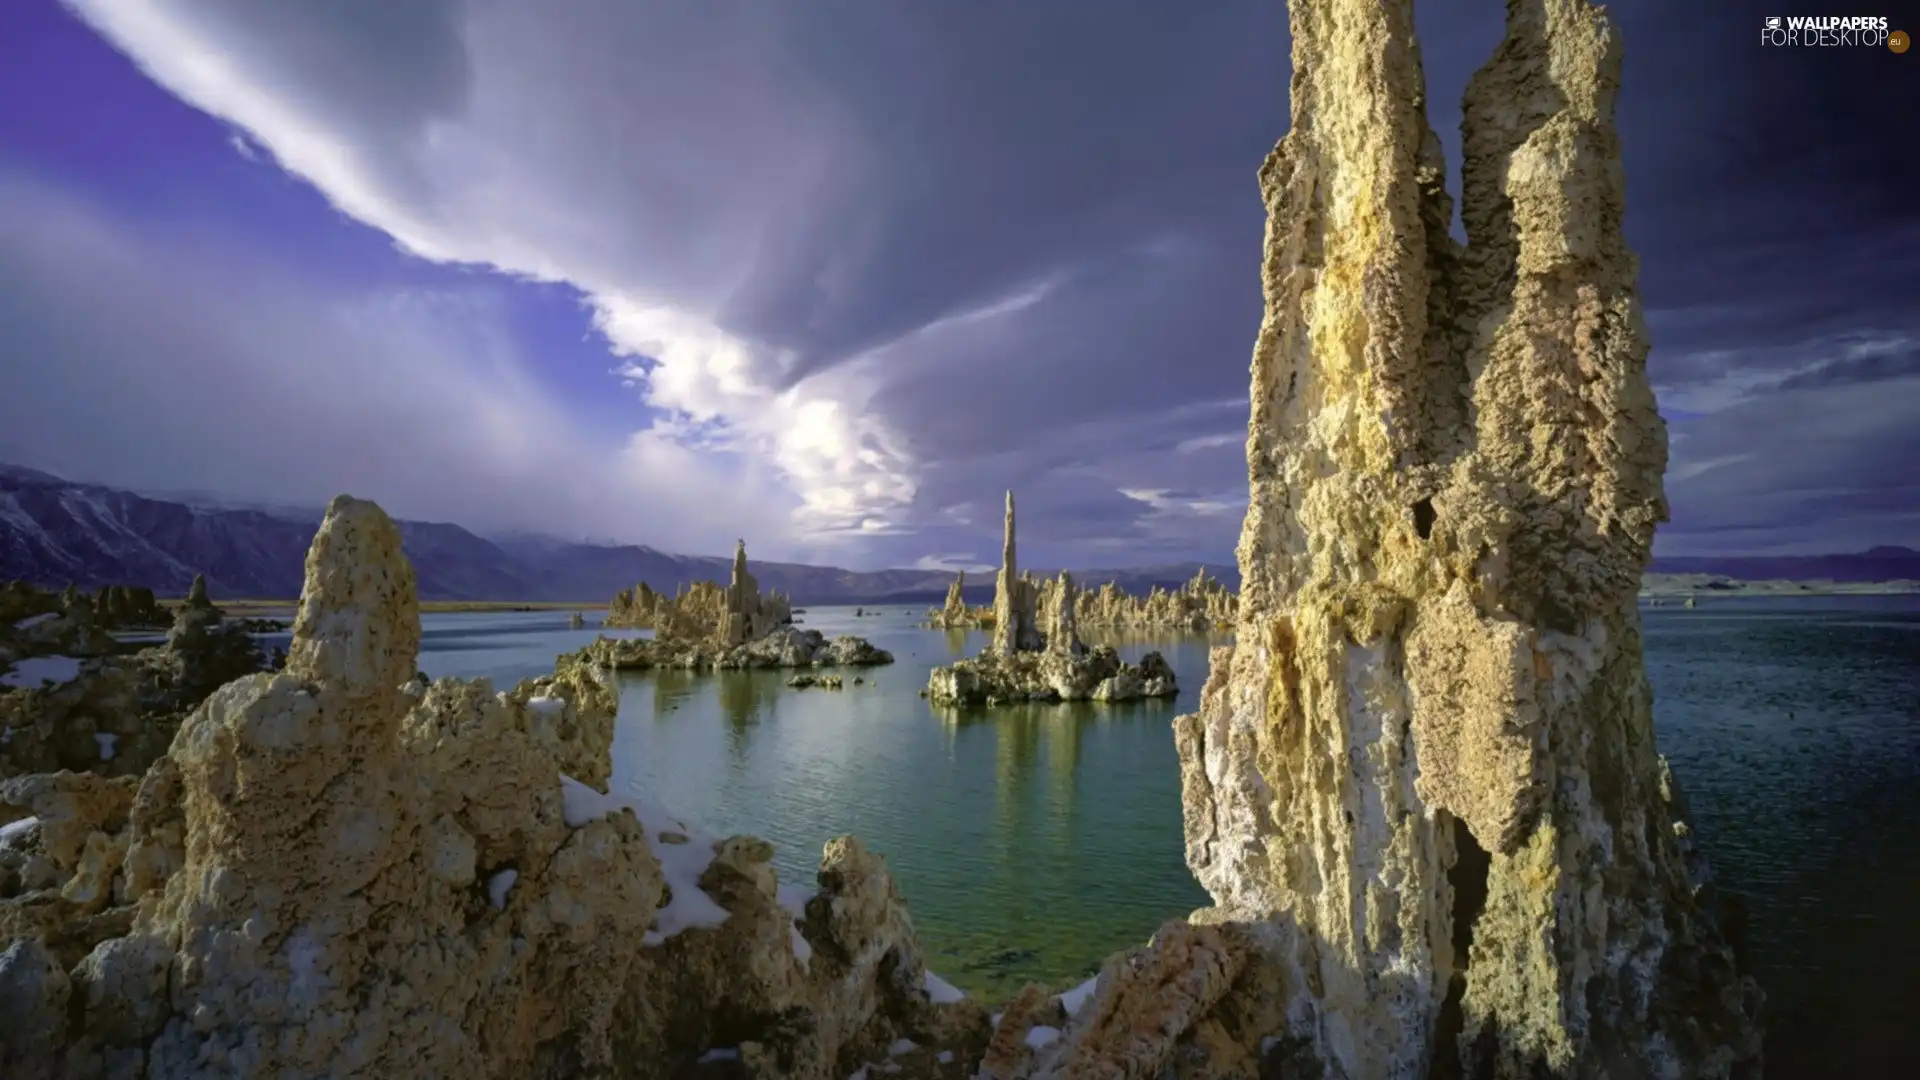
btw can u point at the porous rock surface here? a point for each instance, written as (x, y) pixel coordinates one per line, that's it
(956, 613)
(107, 707)
(1025, 662)
(1204, 603)
(730, 615)
(785, 647)
(342, 869)
(1428, 759)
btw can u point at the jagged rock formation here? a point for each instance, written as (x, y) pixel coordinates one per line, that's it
(81, 703)
(956, 614)
(731, 615)
(1024, 664)
(1096, 674)
(1428, 760)
(1205, 603)
(1015, 599)
(786, 647)
(342, 869)
(197, 598)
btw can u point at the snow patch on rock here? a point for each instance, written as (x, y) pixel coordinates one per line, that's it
(35, 670)
(499, 885)
(940, 990)
(681, 864)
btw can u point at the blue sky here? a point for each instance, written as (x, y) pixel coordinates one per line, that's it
(833, 277)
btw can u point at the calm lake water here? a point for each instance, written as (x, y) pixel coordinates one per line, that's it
(1033, 842)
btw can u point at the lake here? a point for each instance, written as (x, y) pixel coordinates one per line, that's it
(1032, 842)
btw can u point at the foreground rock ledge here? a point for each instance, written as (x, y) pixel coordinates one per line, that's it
(345, 870)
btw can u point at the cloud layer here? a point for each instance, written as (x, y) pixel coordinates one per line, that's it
(863, 267)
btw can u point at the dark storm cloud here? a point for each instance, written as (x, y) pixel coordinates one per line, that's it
(911, 254)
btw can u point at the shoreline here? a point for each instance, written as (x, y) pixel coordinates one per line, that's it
(254, 606)
(1705, 587)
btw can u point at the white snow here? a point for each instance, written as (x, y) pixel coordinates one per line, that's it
(859, 1074)
(499, 885)
(944, 1057)
(1040, 1036)
(6, 734)
(105, 740)
(902, 1046)
(35, 670)
(719, 1053)
(14, 828)
(32, 621)
(680, 864)
(1074, 999)
(547, 706)
(940, 990)
(794, 898)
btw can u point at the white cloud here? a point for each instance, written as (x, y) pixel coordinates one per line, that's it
(1208, 442)
(476, 187)
(953, 564)
(220, 372)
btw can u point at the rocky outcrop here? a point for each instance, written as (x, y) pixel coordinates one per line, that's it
(1204, 603)
(785, 647)
(1456, 474)
(956, 614)
(1025, 664)
(1095, 674)
(1015, 600)
(343, 869)
(731, 615)
(78, 701)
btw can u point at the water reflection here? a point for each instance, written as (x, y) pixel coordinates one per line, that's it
(743, 696)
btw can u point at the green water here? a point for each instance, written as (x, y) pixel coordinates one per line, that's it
(1031, 843)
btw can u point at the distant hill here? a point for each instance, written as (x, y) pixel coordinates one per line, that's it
(54, 532)
(1874, 564)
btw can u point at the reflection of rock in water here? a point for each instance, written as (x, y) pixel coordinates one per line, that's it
(671, 688)
(742, 697)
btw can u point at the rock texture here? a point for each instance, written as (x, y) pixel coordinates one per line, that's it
(345, 870)
(1015, 601)
(786, 647)
(1428, 759)
(956, 614)
(1205, 603)
(731, 615)
(99, 707)
(1024, 664)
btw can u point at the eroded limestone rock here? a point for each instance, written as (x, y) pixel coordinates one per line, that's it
(1430, 754)
(1204, 603)
(728, 616)
(344, 869)
(956, 613)
(785, 647)
(1015, 600)
(108, 709)
(1022, 663)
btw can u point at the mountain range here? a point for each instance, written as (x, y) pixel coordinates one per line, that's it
(54, 532)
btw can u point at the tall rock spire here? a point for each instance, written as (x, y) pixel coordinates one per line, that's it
(1014, 600)
(1455, 466)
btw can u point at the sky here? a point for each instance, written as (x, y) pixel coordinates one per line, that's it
(834, 276)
